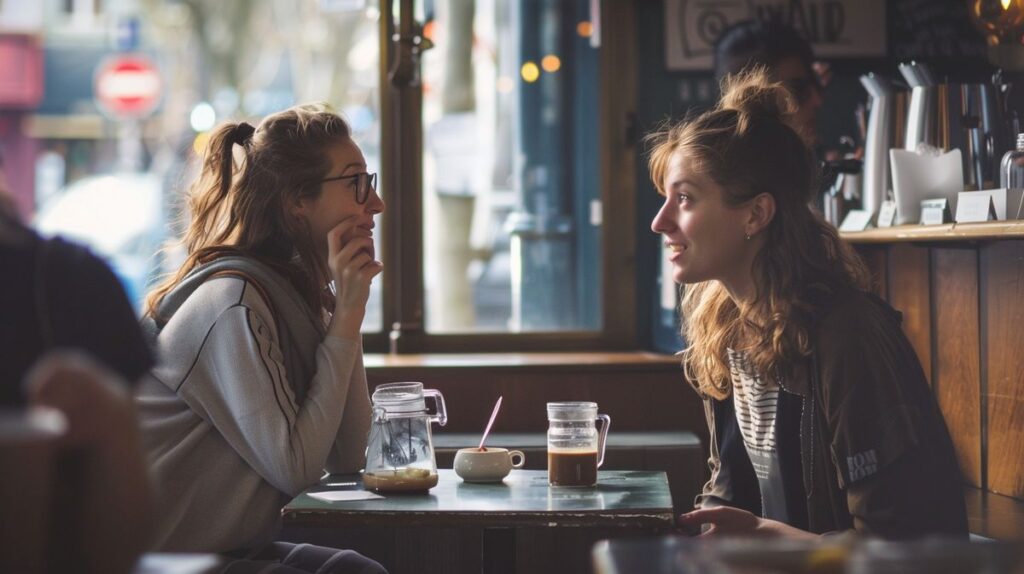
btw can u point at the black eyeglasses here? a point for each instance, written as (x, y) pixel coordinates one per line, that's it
(364, 183)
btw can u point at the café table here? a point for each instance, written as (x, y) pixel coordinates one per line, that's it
(518, 525)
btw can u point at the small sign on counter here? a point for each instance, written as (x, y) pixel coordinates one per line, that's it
(934, 211)
(856, 220)
(974, 207)
(887, 213)
(1006, 204)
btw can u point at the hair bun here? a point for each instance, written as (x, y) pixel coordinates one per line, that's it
(242, 133)
(753, 93)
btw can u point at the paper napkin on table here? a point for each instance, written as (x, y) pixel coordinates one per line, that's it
(344, 495)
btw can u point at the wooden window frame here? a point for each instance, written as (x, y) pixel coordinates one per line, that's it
(401, 183)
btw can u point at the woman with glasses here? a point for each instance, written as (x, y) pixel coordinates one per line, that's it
(260, 385)
(819, 413)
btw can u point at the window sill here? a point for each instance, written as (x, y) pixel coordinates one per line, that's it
(547, 362)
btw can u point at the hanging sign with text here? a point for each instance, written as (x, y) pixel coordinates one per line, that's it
(836, 28)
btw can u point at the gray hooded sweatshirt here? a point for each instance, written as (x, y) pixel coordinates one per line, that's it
(249, 403)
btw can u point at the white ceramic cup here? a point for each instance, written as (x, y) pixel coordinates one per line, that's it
(489, 465)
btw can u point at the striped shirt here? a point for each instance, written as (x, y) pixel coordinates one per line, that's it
(755, 401)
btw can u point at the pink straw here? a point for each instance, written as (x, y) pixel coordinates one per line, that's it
(494, 415)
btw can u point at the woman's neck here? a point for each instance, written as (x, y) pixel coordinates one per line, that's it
(741, 289)
(739, 279)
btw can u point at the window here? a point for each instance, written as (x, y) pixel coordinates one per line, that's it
(502, 143)
(499, 130)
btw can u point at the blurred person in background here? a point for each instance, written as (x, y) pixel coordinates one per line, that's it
(788, 58)
(261, 383)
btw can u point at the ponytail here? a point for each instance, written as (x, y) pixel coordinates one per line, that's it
(237, 210)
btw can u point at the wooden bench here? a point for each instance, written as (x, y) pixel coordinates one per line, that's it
(678, 453)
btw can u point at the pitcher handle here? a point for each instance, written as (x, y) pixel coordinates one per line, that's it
(441, 417)
(602, 439)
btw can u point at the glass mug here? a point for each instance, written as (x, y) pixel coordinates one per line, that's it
(575, 448)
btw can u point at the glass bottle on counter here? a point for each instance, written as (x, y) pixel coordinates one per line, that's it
(1011, 169)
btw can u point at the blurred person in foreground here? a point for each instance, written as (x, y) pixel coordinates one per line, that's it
(71, 343)
(819, 413)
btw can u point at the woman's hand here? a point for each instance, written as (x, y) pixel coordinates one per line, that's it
(99, 411)
(112, 515)
(350, 258)
(728, 521)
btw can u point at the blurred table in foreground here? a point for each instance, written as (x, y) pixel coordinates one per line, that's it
(519, 525)
(830, 555)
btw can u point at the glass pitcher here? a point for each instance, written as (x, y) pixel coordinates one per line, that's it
(575, 448)
(400, 449)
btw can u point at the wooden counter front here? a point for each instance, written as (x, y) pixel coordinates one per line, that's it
(961, 290)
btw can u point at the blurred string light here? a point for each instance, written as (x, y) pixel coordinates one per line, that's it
(530, 72)
(200, 142)
(585, 29)
(1001, 21)
(551, 63)
(203, 117)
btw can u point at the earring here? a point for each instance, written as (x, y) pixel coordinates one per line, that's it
(748, 237)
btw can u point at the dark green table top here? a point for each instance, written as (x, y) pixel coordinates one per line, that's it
(620, 499)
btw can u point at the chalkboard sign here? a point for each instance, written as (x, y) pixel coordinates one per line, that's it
(932, 30)
(848, 32)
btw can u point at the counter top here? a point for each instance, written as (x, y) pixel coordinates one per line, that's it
(987, 231)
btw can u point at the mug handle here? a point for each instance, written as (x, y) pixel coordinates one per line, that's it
(512, 454)
(602, 439)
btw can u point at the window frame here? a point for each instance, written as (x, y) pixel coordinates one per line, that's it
(403, 290)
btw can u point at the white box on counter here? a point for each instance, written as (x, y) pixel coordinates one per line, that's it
(917, 177)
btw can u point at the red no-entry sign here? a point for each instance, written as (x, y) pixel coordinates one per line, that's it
(127, 86)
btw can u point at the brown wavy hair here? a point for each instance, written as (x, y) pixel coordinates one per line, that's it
(746, 145)
(241, 203)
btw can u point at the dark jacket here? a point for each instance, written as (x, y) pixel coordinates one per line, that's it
(874, 450)
(55, 294)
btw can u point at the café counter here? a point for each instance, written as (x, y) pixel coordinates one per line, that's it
(988, 231)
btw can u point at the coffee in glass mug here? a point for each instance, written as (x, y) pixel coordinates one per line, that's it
(575, 447)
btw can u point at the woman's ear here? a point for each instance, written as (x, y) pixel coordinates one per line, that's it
(762, 211)
(299, 207)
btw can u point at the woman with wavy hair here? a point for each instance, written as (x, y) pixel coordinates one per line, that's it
(819, 413)
(261, 383)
